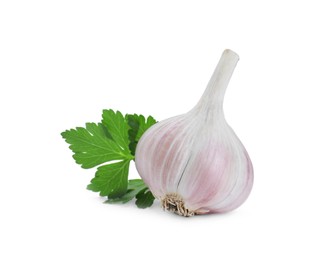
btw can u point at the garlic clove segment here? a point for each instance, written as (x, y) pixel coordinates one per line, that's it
(194, 163)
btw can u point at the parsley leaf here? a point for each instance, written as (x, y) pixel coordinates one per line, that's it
(92, 147)
(102, 143)
(134, 187)
(117, 127)
(145, 199)
(115, 138)
(111, 179)
(138, 125)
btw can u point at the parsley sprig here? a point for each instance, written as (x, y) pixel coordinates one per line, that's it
(111, 145)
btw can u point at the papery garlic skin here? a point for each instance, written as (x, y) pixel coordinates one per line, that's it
(194, 163)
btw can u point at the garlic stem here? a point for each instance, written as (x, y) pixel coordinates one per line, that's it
(212, 99)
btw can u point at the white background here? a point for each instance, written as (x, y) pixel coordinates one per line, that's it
(62, 62)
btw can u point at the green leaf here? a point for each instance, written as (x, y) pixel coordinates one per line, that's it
(138, 125)
(117, 127)
(115, 138)
(111, 179)
(92, 147)
(134, 187)
(145, 199)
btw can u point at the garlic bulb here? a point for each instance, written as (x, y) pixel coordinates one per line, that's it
(194, 163)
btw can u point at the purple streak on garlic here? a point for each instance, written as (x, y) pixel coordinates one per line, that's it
(194, 163)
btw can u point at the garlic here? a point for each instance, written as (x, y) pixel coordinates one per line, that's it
(194, 163)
